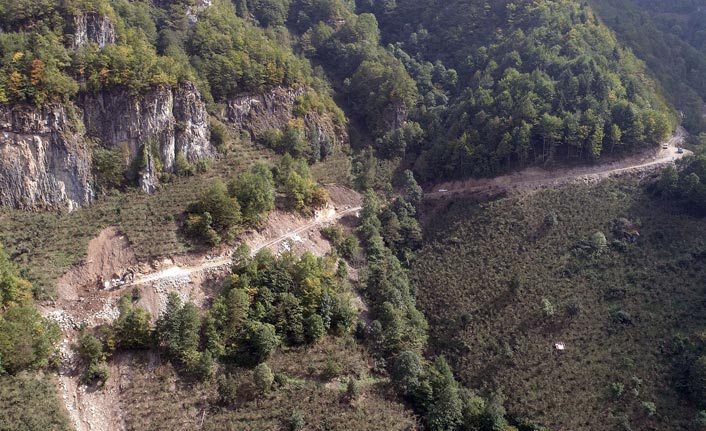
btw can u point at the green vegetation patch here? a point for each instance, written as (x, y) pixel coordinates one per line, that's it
(29, 402)
(158, 398)
(607, 270)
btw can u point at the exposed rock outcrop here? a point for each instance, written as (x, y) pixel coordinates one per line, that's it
(168, 121)
(44, 159)
(193, 12)
(92, 27)
(258, 113)
(395, 116)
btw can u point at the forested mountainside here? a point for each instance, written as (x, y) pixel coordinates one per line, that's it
(669, 37)
(461, 88)
(532, 81)
(180, 132)
(102, 94)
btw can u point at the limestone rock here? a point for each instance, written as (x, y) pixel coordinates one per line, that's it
(45, 160)
(92, 27)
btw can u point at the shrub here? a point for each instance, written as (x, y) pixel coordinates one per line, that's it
(260, 341)
(617, 389)
(332, 370)
(227, 389)
(214, 216)
(90, 350)
(551, 219)
(350, 247)
(407, 372)
(281, 379)
(515, 284)
(346, 245)
(273, 138)
(598, 241)
(314, 328)
(263, 378)
(109, 166)
(219, 135)
(353, 389)
(649, 407)
(333, 233)
(621, 317)
(697, 380)
(548, 309)
(182, 167)
(297, 183)
(573, 307)
(132, 328)
(27, 340)
(296, 421)
(96, 373)
(201, 166)
(204, 367)
(255, 192)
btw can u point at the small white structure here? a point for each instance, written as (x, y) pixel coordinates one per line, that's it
(560, 346)
(443, 190)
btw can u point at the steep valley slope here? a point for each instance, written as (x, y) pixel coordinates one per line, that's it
(608, 271)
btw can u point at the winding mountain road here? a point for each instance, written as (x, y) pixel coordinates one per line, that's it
(175, 272)
(537, 178)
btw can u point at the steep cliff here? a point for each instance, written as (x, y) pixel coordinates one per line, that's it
(166, 121)
(92, 27)
(44, 158)
(258, 113)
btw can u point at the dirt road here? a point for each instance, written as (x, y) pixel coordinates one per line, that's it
(82, 303)
(222, 261)
(537, 178)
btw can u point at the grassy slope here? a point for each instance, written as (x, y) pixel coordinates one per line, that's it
(46, 245)
(156, 399)
(495, 336)
(29, 403)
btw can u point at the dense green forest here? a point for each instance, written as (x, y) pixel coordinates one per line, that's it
(463, 88)
(669, 37)
(505, 84)
(154, 46)
(26, 339)
(265, 302)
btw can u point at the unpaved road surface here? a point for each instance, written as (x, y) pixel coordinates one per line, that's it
(83, 300)
(327, 217)
(537, 178)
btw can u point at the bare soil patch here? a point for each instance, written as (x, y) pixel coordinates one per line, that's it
(343, 196)
(109, 256)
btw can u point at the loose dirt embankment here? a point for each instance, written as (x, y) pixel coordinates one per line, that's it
(536, 178)
(84, 300)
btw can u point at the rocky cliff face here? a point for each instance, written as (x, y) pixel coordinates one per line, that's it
(192, 13)
(44, 160)
(92, 27)
(258, 113)
(167, 121)
(395, 116)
